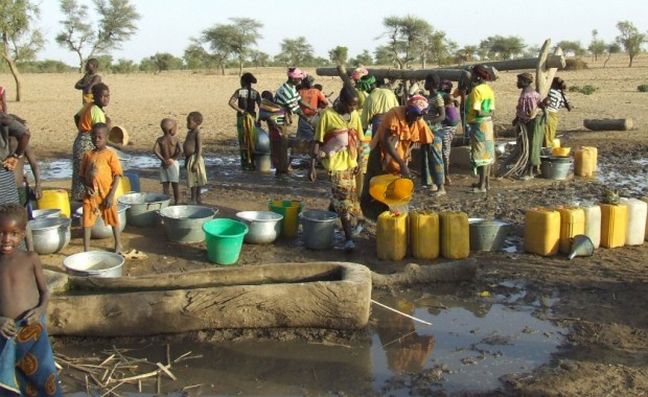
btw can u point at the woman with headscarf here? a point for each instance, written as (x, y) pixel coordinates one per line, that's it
(245, 101)
(391, 147)
(480, 105)
(337, 138)
(317, 100)
(529, 121)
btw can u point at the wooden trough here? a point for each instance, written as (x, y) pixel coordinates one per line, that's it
(332, 295)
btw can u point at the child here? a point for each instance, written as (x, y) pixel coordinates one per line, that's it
(196, 174)
(25, 353)
(553, 102)
(100, 172)
(167, 148)
(526, 117)
(89, 79)
(449, 126)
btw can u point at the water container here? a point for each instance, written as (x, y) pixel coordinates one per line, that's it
(455, 235)
(224, 239)
(614, 224)
(556, 142)
(424, 234)
(487, 235)
(123, 187)
(645, 199)
(572, 223)
(636, 228)
(556, 168)
(542, 231)
(133, 177)
(586, 158)
(593, 224)
(318, 229)
(263, 162)
(55, 198)
(290, 210)
(391, 236)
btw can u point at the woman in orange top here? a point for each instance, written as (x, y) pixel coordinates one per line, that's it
(391, 147)
(89, 115)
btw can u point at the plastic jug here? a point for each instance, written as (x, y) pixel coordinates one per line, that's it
(391, 236)
(424, 234)
(455, 235)
(123, 187)
(637, 214)
(593, 224)
(290, 210)
(614, 224)
(55, 198)
(542, 231)
(585, 161)
(572, 223)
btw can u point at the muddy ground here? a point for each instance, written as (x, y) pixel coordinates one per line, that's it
(602, 299)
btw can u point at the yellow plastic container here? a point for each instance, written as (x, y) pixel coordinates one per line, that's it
(646, 236)
(614, 224)
(424, 234)
(542, 231)
(572, 223)
(123, 187)
(392, 190)
(391, 236)
(290, 210)
(585, 161)
(560, 151)
(556, 142)
(455, 235)
(55, 198)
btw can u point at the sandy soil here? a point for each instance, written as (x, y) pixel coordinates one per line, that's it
(602, 299)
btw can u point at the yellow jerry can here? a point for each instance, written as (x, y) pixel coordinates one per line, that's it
(455, 235)
(614, 224)
(542, 231)
(424, 234)
(391, 236)
(572, 223)
(637, 214)
(55, 199)
(123, 187)
(585, 159)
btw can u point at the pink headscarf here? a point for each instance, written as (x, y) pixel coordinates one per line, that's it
(418, 104)
(359, 72)
(296, 73)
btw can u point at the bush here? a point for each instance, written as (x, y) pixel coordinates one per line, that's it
(643, 88)
(585, 90)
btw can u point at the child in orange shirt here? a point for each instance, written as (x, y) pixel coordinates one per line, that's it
(101, 172)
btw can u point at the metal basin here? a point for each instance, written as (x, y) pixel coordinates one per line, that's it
(50, 234)
(318, 229)
(487, 234)
(183, 223)
(100, 230)
(143, 207)
(94, 264)
(264, 226)
(46, 213)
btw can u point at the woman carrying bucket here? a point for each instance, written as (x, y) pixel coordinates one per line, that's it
(337, 137)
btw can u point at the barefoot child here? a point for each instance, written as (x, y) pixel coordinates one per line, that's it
(26, 356)
(167, 148)
(101, 172)
(196, 174)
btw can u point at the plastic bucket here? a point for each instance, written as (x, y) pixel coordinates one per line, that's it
(556, 168)
(224, 238)
(487, 235)
(290, 210)
(134, 180)
(318, 229)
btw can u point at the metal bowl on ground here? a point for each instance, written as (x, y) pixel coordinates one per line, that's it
(143, 207)
(50, 235)
(46, 213)
(100, 230)
(264, 226)
(183, 223)
(487, 234)
(94, 264)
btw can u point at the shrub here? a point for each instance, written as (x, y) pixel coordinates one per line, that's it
(643, 88)
(585, 90)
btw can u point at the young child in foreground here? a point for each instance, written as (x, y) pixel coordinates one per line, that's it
(26, 359)
(167, 148)
(194, 161)
(101, 172)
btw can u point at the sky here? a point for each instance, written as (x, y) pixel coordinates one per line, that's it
(168, 25)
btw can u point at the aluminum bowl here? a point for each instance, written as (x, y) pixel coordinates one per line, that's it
(46, 213)
(94, 264)
(100, 230)
(264, 226)
(50, 235)
(183, 223)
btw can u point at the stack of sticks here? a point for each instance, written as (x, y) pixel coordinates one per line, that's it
(103, 376)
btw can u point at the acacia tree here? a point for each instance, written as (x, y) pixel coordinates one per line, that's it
(405, 36)
(466, 54)
(597, 46)
(364, 58)
(434, 46)
(630, 38)
(383, 55)
(20, 40)
(339, 55)
(233, 40)
(295, 52)
(574, 47)
(86, 38)
(612, 48)
(502, 47)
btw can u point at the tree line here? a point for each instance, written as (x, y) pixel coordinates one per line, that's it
(408, 41)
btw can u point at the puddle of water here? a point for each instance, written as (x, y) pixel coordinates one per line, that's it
(630, 178)
(471, 344)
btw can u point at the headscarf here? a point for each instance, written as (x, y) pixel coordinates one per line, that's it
(482, 72)
(418, 104)
(526, 76)
(366, 82)
(296, 73)
(248, 78)
(359, 72)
